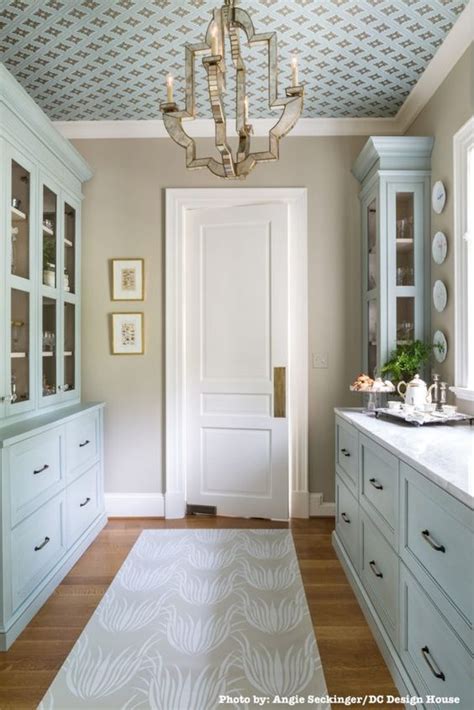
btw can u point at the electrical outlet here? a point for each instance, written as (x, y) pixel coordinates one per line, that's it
(320, 361)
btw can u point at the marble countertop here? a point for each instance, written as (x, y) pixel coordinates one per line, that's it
(442, 453)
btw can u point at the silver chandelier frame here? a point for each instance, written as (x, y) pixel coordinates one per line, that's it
(226, 22)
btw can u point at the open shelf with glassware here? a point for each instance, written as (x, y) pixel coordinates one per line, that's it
(395, 177)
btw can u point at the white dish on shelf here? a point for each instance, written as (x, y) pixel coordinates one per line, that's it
(440, 296)
(439, 247)
(438, 197)
(440, 346)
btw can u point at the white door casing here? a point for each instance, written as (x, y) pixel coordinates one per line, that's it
(236, 306)
(252, 440)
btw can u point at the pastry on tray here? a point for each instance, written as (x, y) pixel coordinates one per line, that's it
(362, 383)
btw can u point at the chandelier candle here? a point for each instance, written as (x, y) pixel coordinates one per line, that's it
(229, 26)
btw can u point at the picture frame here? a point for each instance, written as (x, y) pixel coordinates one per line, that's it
(128, 336)
(128, 279)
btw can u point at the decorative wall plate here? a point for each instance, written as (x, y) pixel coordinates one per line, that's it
(438, 197)
(440, 296)
(439, 247)
(440, 346)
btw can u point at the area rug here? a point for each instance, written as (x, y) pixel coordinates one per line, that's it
(196, 620)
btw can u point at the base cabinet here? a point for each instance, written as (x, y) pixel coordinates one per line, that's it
(410, 559)
(52, 507)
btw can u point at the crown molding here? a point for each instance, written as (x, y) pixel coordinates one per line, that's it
(16, 102)
(455, 44)
(205, 128)
(449, 53)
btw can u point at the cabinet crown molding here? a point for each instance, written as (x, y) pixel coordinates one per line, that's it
(15, 99)
(393, 153)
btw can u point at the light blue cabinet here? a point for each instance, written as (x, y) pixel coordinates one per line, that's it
(407, 547)
(51, 445)
(41, 177)
(395, 204)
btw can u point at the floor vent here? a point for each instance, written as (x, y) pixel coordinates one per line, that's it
(200, 509)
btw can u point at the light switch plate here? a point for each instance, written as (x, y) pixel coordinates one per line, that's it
(320, 361)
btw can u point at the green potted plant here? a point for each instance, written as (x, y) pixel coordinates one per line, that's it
(407, 361)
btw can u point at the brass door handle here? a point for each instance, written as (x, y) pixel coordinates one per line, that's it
(279, 392)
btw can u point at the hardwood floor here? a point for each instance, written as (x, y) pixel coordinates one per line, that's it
(352, 662)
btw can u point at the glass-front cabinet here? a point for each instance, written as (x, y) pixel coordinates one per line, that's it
(395, 177)
(39, 326)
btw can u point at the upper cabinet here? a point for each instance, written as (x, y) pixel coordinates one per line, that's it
(395, 202)
(41, 175)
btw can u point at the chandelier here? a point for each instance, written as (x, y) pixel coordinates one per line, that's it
(226, 25)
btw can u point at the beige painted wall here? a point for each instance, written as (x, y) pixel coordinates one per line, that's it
(449, 108)
(124, 216)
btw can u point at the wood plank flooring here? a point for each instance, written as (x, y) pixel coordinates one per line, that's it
(352, 662)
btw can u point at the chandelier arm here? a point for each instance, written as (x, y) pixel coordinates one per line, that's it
(173, 124)
(218, 114)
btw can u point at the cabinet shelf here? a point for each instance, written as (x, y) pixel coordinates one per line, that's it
(17, 356)
(17, 215)
(48, 353)
(68, 353)
(68, 242)
(48, 231)
(404, 244)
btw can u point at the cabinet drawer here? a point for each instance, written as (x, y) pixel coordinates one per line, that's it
(347, 520)
(437, 539)
(36, 472)
(379, 486)
(380, 575)
(37, 544)
(82, 504)
(347, 452)
(82, 443)
(438, 662)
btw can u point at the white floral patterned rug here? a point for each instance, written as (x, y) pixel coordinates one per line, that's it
(196, 620)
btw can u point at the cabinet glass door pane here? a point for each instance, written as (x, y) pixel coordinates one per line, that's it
(20, 346)
(20, 221)
(372, 330)
(49, 347)
(69, 248)
(404, 239)
(69, 346)
(372, 245)
(49, 237)
(405, 320)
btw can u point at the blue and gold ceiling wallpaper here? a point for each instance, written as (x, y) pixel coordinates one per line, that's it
(104, 59)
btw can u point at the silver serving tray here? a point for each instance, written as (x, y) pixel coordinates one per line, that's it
(419, 418)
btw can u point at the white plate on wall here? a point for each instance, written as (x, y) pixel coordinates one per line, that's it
(441, 346)
(440, 296)
(438, 197)
(439, 247)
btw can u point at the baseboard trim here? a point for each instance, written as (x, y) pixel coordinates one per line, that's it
(318, 508)
(400, 677)
(135, 505)
(299, 504)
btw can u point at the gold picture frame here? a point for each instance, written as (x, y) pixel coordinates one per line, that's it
(128, 333)
(128, 279)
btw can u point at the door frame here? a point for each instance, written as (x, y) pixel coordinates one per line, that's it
(178, 202)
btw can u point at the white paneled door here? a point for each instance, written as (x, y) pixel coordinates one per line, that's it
(236, 332)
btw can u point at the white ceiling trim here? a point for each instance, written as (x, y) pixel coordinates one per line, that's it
(450, 52)
(454, 46)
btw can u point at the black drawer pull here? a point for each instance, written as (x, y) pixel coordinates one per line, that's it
(43, 544)
(84, 443)
(40, 470)
(426, 536)
(87, 500)
(345, 518)
(435, 671)
(375, 569)
(345, 452)
(378, 486)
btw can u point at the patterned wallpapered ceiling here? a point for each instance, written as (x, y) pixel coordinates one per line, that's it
(106, 59)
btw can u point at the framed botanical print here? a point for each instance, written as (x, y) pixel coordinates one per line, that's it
(127, 334)
(127, 280)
